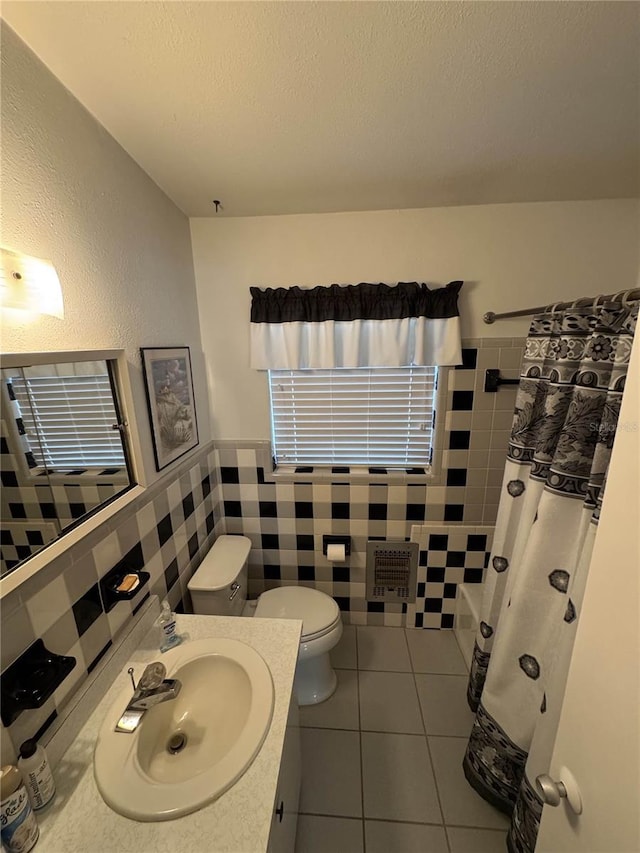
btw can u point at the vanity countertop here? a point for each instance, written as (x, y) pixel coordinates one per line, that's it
(79, 821)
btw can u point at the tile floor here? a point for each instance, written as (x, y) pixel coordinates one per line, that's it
(381, 759)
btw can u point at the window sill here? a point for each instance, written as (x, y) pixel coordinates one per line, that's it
(103, 474)
(351, 474)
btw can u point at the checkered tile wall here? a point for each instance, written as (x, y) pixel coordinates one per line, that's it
(286, 521)
(22, 539)
(448, 556)
(169, 530)
(31, 507)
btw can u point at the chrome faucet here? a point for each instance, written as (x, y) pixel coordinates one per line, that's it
(152, 689)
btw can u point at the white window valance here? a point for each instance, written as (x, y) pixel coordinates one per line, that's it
(360, 325)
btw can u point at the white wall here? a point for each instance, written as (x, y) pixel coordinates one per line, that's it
(122, 249)
(511, 256)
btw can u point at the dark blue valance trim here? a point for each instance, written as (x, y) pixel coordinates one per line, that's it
(354, 302)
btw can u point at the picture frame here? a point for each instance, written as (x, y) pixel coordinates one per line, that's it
(172, 412)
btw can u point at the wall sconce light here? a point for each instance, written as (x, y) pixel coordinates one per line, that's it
(29, 284)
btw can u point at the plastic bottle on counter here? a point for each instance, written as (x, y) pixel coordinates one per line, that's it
(18, 824)
(167, 623)
(36, 774)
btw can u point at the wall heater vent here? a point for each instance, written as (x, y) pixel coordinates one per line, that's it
(391, 571)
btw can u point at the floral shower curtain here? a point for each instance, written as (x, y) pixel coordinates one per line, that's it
(566, 413)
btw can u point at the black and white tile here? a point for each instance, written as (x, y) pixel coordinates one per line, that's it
(447, 557)
(64, 606)
(286, 520)
(34, 505)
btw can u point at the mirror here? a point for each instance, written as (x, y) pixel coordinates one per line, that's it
(63, 451)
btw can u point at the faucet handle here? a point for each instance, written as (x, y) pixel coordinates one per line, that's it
(153, 676)
(133, 681)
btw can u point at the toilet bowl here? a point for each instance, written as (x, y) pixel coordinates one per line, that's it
(219, 587)
(321, 630)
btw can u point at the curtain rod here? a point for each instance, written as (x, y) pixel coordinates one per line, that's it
(624, 297)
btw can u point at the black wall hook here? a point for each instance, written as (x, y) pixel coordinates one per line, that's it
(493, 380)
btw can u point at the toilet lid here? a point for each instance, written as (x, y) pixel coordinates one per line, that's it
(222, 564)
(318, 611)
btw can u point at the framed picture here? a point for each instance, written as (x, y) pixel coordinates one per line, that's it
(172, 411)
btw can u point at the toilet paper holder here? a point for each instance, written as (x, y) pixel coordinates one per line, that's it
(330, 539)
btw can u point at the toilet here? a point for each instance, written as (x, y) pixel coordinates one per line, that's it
(219, 588)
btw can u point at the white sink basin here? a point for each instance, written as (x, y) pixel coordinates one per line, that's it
(221, 715)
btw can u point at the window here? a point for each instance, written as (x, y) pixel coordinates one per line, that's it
(365, 416)
(69, 420)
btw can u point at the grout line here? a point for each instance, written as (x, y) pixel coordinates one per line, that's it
(373, 731)
(464, 675)
(410, 822)
(380, 820)
(433, 769)
(410, 672)
(453, 737)
(336, 816)
(364, 838)
(393, 671)
(408, 648)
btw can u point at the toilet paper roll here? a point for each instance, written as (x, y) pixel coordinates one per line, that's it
(336, 553)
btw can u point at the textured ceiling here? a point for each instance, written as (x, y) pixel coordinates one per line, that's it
(293, 107)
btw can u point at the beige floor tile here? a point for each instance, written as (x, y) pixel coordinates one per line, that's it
(344, 655)
(383, 837)
(329, 835)
(443, 700)
(476, 840)
(398, 782)
(461, 805)
(436, 652)
(389, 703)
(340, 711)
(383, 649)
(331, 780)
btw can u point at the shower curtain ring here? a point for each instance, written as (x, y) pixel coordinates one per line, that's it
(626, 298)
(581, 302)
(596, 301)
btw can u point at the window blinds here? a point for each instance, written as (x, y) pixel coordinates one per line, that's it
(69, 420)
(382, 417)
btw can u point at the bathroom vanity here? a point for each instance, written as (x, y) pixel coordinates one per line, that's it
(257, 813)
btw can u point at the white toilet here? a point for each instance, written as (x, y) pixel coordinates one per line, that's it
(219, 588)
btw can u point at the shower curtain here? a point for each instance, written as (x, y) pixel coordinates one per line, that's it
(564, 424)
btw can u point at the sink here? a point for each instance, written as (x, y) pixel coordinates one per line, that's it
(189, 750)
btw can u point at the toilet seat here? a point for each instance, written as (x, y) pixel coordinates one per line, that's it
(319, 612)
(307, 638)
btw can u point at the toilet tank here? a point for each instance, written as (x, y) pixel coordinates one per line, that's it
(219, 585)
